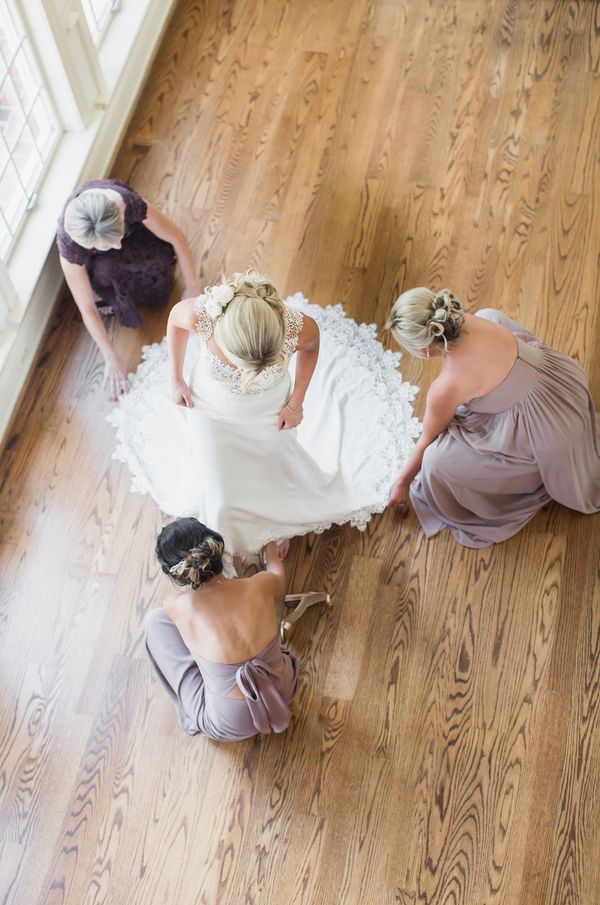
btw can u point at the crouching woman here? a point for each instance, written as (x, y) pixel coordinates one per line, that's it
(215, 644)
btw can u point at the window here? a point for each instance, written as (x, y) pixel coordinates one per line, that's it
(97, 13)
(29, 128)
(70, 71)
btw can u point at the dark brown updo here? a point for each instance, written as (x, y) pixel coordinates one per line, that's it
(189, 552)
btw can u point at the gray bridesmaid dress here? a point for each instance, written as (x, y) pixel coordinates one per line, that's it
(199, 687)
(534, 438)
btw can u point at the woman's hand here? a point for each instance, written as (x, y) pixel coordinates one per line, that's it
(182, 395)
(289, 418)
(399, 494)
(116, 377)
(115, 373)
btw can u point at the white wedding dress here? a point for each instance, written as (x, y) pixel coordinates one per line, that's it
(225, 462)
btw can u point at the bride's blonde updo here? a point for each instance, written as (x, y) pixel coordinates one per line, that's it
(189, 552)
(421, 319)
(251, 328)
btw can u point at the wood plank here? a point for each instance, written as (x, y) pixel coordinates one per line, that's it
(445, 744)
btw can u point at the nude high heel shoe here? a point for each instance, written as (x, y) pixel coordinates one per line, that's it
(299, 603)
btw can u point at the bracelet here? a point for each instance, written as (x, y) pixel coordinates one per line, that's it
(301, 412)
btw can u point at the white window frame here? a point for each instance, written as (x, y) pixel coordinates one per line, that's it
(61, 45)
(15, 229)
(94, 89)
(9, 303)
(98, 29)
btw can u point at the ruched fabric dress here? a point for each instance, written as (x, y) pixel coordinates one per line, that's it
(138, 273)
(534, 438)
(199, 687)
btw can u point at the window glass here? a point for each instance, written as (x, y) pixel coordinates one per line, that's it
(29, 127)
(97, 13)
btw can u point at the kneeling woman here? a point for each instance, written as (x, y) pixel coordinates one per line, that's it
(117, 252)
(509, 423)
(215, 644)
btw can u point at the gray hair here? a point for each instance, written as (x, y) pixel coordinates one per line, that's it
(251, 329)
(421, 318)
(94, 218)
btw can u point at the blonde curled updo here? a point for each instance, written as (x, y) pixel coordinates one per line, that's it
(251, 329)
(420, 319)
(189, 552)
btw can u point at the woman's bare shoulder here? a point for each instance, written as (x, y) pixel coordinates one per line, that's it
(446, 392)
(443, 386)
(185, 314)
(261, 587)
(309, 334)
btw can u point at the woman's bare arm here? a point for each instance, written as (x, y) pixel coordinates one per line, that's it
(442, 400)
(78, 281)
(274, 570)
(182, 322)
(159, 224)
(307, 354)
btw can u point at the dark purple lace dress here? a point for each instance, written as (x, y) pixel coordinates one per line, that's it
(138, 273)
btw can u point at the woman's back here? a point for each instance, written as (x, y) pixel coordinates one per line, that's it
(481, 359)
(227, 620)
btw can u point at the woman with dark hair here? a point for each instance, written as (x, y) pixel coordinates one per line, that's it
(215, 645)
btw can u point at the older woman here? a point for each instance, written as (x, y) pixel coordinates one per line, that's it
(117, 252)
(509, 423)
(215, 645)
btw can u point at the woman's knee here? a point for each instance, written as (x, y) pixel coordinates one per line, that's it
(432, 457)
(440, 462)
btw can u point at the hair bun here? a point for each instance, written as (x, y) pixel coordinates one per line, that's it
(445, 301)
(447, 316)
(200, 564)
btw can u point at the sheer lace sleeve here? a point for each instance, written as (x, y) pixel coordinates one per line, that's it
(294, 321)
(204, 327)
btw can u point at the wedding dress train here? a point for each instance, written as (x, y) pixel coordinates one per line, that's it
(225, 461)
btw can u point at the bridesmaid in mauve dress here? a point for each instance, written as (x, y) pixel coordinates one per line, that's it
(215, 645)
(117, 252)
(509, 423)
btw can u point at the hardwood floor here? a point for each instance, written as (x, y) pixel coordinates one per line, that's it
(446, 742)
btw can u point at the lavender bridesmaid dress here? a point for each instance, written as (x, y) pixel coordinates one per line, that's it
(199, 687)
(534, 438)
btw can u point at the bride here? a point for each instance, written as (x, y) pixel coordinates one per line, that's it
(279, 422)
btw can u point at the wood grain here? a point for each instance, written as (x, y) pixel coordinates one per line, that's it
(445, 745)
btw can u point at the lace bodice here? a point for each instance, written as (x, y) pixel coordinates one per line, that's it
(231, 377)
